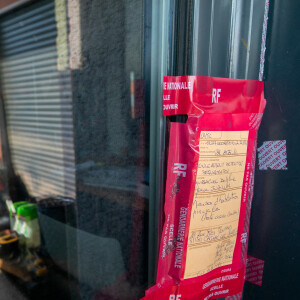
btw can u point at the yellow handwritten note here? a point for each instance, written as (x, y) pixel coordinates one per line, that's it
(217, 201)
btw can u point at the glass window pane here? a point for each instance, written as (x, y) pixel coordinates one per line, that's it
(75, 83)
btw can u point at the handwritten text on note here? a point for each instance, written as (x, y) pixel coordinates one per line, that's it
(217, 201)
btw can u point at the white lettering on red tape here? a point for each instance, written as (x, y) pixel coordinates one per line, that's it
(179, 169)
(216, 94)
(175, 297)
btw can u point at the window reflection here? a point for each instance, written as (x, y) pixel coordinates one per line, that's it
(78, 138)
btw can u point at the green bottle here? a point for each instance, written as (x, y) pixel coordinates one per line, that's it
(13, 214)
(30, 227)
